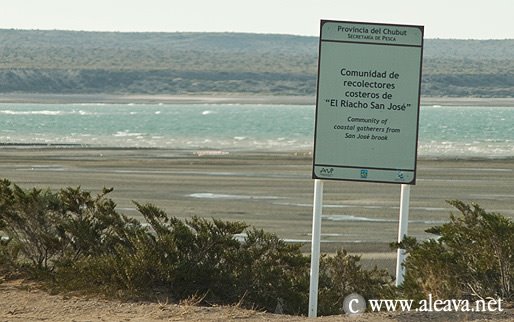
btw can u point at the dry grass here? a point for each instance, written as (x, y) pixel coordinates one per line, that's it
(22, 300)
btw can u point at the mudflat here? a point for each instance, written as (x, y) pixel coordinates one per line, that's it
(272, 191)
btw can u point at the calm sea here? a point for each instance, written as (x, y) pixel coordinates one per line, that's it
(465, 131)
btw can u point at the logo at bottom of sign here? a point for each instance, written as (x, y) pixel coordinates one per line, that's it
(326, 172)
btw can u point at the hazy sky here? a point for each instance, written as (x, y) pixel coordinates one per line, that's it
(464, 19)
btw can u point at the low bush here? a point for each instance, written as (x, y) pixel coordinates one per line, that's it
(472, 257)
(78, 242)
(75, 241)
(341, 275)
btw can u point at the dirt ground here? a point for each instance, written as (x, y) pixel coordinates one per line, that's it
(25, 301)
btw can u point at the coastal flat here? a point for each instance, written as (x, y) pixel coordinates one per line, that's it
(272, 191)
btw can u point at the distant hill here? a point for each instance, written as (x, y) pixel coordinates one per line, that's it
(180, 63)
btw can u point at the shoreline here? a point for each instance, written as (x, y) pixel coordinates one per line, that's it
(219, 98)
(102, 98)
(208, 152)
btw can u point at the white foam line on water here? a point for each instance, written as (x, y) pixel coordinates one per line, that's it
(428, 222)
(351, 218)
(355, 218)
(135, 171)
(452, 180)
(328, 206)
(49, 169)
(470, 169)
(43, 112)
(489, 169)
(208, 195)
(171, 172)
(297, 241)
(361, 206)
(47, 166)
(491, 196)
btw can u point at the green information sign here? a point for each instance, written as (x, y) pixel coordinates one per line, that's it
(367, 107)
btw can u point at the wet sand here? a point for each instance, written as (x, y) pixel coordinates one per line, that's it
(273, 191)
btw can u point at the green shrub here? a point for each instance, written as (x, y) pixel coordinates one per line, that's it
(341, 275)
(29, 219)
(78, 242)
(473, 256)
(58, 229)
(9, 254)
(274, 273)
(195, 256)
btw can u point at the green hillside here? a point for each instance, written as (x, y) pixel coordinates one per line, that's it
(180, 63)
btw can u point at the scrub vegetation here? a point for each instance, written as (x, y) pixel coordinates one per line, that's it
(76, 62)
(471, 258)
(72, 241)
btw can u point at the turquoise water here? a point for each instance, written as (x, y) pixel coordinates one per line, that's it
(444, 131)
(466, 131)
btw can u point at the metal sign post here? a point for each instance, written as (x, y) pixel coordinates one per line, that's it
(402, 232)
(315, 247)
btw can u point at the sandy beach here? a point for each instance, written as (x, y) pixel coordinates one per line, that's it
(272, 191)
